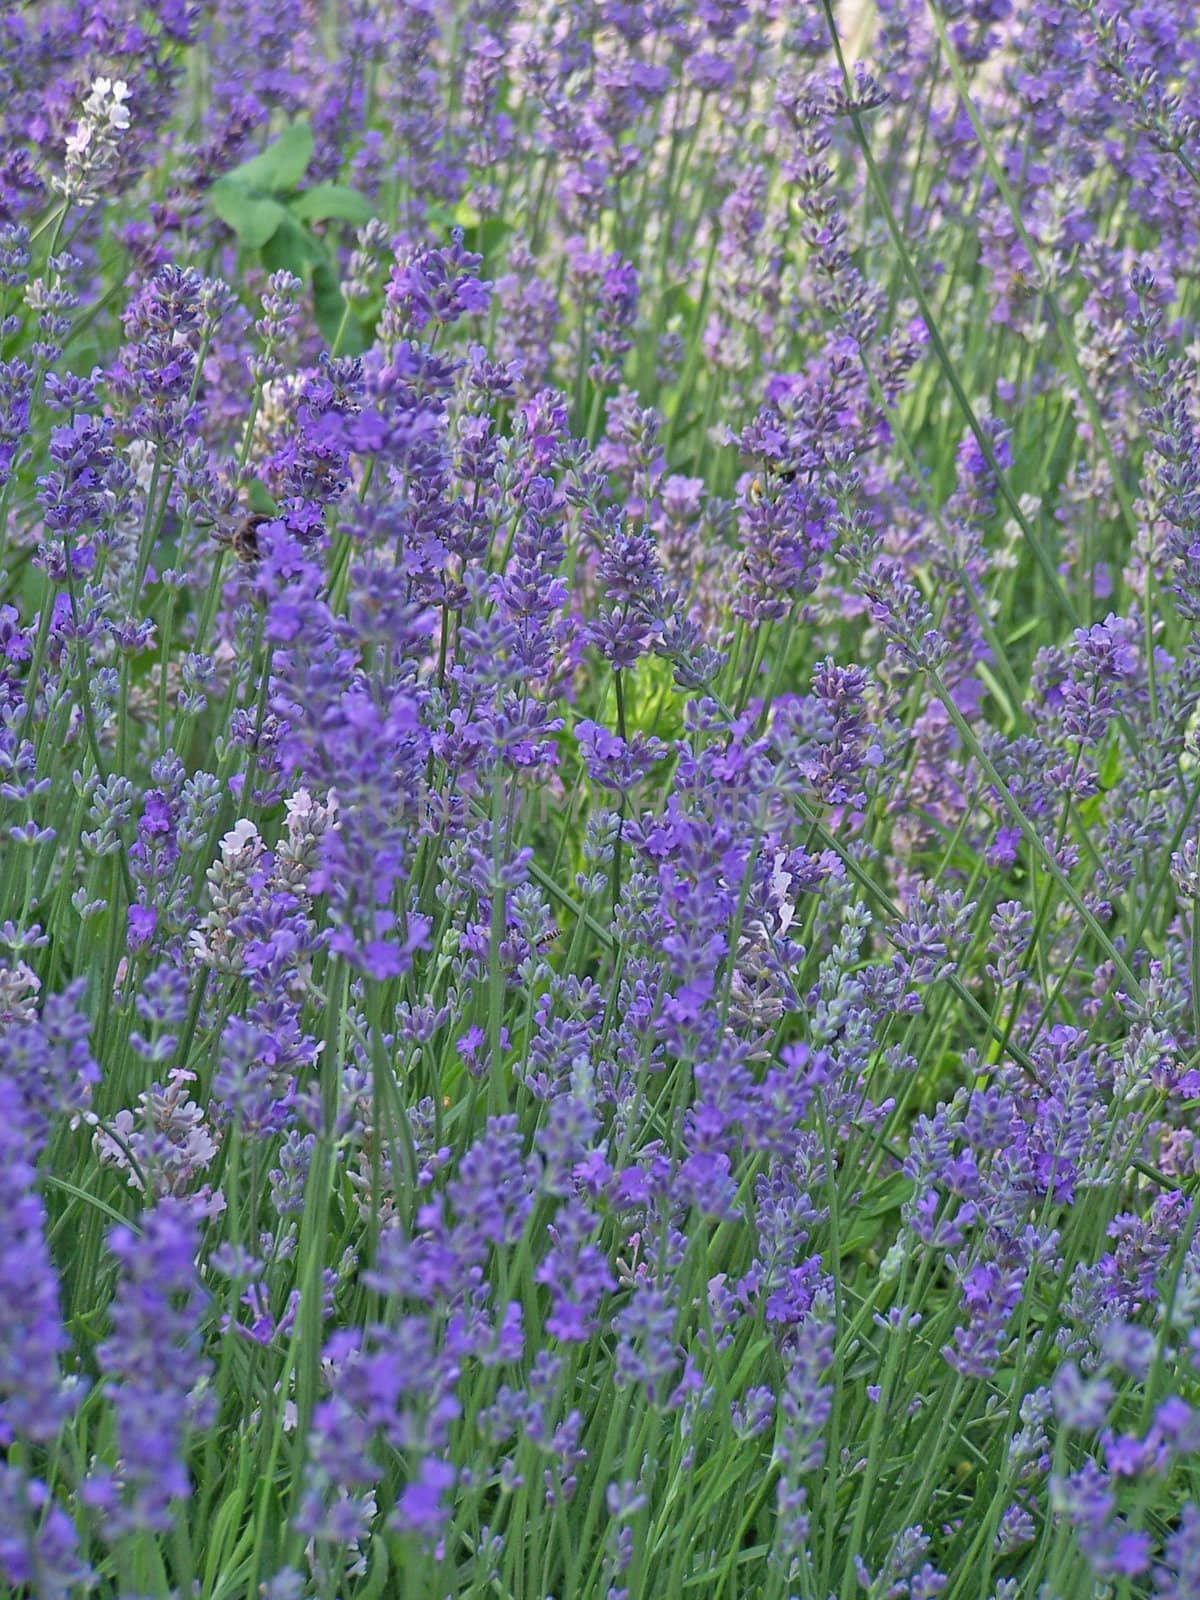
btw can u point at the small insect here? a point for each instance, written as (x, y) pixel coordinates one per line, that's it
(546, 939)
(242, 536)
(758, 484)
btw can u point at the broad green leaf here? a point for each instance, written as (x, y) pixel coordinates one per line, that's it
(259, 498)
(291, 248)
(282, 164)
(326, 202)
(329, 308)
(253, 217)
(490, 235)
(367, 314)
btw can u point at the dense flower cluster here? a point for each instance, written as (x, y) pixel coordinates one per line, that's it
(600, 925)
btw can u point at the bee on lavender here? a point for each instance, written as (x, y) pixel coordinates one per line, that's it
(240, 534)
(772, 472)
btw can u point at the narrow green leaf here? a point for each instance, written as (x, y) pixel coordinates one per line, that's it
(221, 1536)
(379, 1571)
(1110, 767)
(90, 1199)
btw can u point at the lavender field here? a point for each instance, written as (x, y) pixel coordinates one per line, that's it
(599, 765)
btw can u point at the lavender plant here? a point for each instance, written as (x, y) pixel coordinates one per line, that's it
(600, 913)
